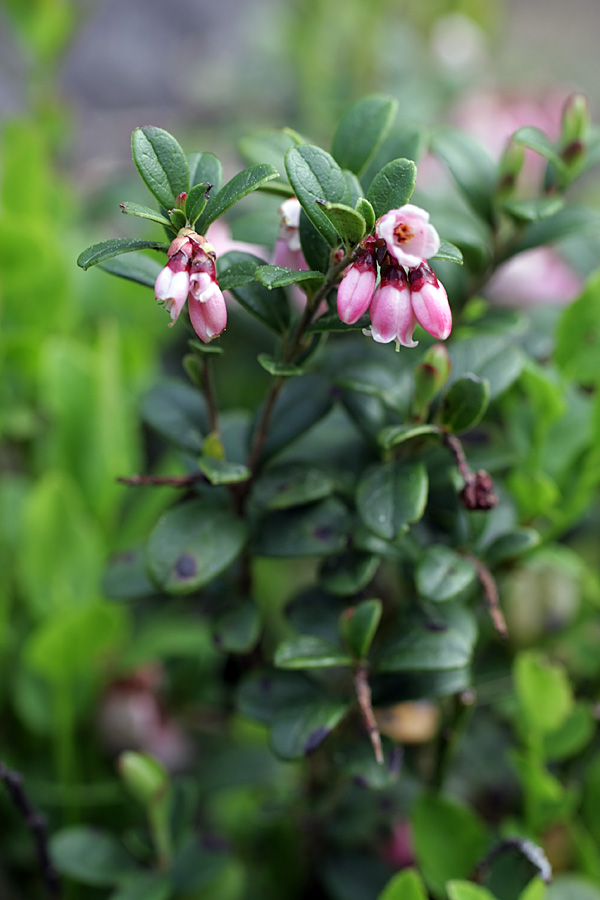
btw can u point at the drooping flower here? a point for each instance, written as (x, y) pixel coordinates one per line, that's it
(408, 235)
(429, 302)
(355, 292)
(288, 252)
(190, 274)
(392, 317)
(534, 278)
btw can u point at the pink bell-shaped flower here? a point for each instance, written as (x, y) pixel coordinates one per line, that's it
(392, 317)
(356, 288)
(430, 302)
(173, 283)
(408, 235)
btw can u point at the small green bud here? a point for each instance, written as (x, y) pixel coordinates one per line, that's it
(144, 777)
(575, 120)
(437, 356)
(430, 375)
(509, 168)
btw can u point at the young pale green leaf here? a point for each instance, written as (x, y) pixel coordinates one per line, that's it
(143, 212)
(161, 162)
(192, 544)
(349, 224)
(465, 403)
(315, 176)
(535, 890)
(573, 736)
(292, 484)
(512, 545)
(406, 885)
(349, 573)
(317, 529)
(471, 167)
(392, 187)
(572, 887)
(449, 252)
(90, 856)
(466, 890)
(178, 219)
(358, 625)
(310, 652)
(219, 471)
(268, 306)
(367, 212)
(136, 267)
(361, 131)
(235, 190)
(442, 574)
(449, 840)
(533, 210)
(390, 496)
(196, 201)
(238, 630)
(425, 645)
(299, 729)
(578, 336)
(543, 691)
(280, 276)
(397, 434)
(107, 249)
(536, 140)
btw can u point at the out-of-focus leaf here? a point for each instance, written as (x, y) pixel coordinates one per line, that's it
(90, 856)
(390, 496)
(443, 574)
(317, 529)
(299, 729)
(361, 130)
(235, 190)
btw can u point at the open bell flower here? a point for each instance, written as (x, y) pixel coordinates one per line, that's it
(408, 235)
(190, 274)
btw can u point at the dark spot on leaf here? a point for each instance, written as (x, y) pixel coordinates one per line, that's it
(436, 626)
(217, 639)
(215, 842)
(361, 781)
(323, 533)
(185, 567)
(282, 487)
(315, 739)
(124, 558)
(266, 685)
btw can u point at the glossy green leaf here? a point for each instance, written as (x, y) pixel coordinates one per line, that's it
(161, 162)
(315, 249)
(292, 484)
(219, 471)
(279, 276)
(238, 630)
(493, 357)
(107, 249)
(449, 252)
(266, 692)
(391, 496)
(267, 146)
(192, 544)
(90, 856)
(578, 336)
(512, 545)
(197, 199)
(349, 224)
(237, 274)
(543, 691)
(449, 840)
(348, 573)
(314, 612)
(425, 644)
(402, 142)
(397, 434)
(392, 187)
(315, 175)
(367, 212)
(358, 625)
(278, 368)
(465, 403)
(318, 529)
(206, 168)
(570, 222)
(332, 322)
(300, 405)
(442, 574)
(471, 167)
(535, 139)
(466, 890)
(533, 210)
(300, 729)
(310, 652)
(235, 190)
(125, 577)
(361, 131)
(406, 885)
(144, 886)
(268, 306)
(135, 267)
(178, 412)
(143, 212)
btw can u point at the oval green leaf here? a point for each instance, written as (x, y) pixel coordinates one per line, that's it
(391, 496)
(107, 249)
(392, 187)
(161, 162)
(315, 176)
(361, 131)
(442, 574)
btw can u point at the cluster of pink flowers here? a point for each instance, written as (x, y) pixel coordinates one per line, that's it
(408, 292)
(190, 274)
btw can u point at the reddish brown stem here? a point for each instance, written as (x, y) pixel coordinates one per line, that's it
(363, 695)
(490, 591)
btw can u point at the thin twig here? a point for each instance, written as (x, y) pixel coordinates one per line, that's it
(490, 591)
(36, 823)
(478, 492)
(157, 480)
(363, 695)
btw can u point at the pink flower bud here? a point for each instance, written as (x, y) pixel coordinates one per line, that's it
(408, 235)
(392, 317)
(430, 302)
(171, 289)
(208, 312)
(356, 289)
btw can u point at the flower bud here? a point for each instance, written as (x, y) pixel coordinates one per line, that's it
(208, 311)
(392, 317)
(430, 302)
(509, 168)
(575, 120)
(356, 288)
(143, 776)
